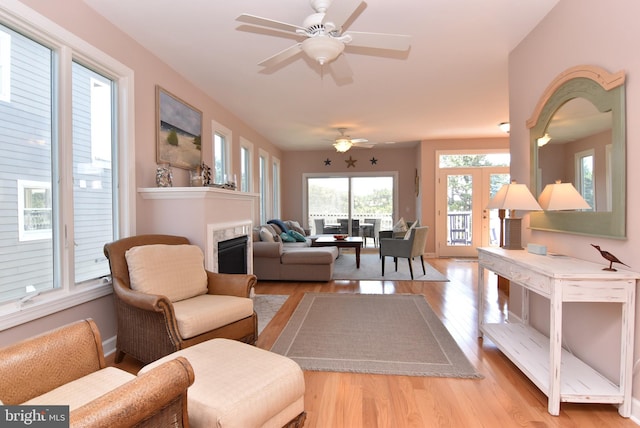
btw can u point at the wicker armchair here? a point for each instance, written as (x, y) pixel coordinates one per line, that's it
(66, 366)
(148, 324)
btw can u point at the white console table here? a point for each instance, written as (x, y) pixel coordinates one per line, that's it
(560, 375)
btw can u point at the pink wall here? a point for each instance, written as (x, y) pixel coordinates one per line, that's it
(295, 164)
(596, 33)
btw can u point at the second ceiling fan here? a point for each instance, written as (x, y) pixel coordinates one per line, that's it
(343, 142)
(324, 39)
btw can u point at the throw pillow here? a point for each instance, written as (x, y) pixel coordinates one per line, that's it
(413, 226)
(266, 235)
(175, 271)
(297, 236)
(286, 237)
(400, 226)
(295, 226)
(276, 222)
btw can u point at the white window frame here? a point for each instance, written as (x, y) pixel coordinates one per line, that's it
(263, 173)
(69, 47)
(248, 146)
(227, 134)
(579, 173)
(276, 176)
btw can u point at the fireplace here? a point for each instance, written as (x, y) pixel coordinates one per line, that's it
(232, 255)
(220, 232)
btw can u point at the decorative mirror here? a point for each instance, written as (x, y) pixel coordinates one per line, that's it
(577, 135)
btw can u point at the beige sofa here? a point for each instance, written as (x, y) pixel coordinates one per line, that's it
(274, 260)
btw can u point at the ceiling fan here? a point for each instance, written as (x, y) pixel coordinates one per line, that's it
(343, 142)
(324, 39)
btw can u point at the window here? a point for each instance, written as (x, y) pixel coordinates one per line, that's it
(34, 210)
(246, 154)
(64, 178)
(262, 175)
(221, 154)
(584, 176)
(276, 188)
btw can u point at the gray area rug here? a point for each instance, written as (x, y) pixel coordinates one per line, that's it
(394, 334)
(266, 306)
(371, 268)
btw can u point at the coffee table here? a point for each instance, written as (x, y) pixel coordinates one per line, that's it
(349, 242)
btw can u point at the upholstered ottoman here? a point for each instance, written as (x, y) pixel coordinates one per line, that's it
(240, 386)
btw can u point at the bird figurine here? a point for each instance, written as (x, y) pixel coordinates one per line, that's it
(610, 257)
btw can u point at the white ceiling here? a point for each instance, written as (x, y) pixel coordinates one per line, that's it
(452, 83)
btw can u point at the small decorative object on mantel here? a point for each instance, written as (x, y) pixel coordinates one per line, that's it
(206, 174)
(351, 162)
(196, 177)
(164, 176)
(610, 258)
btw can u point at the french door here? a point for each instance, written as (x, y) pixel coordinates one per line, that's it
(463, 222)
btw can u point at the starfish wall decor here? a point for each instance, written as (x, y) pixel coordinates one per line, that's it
(351, 162)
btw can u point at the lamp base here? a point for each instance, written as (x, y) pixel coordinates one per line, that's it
(513, 234)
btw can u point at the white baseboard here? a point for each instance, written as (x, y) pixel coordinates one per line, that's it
(109, 346)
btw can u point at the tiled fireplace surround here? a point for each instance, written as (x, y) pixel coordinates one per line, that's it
(204, 215)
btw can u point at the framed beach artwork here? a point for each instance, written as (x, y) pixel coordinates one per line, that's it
(179, 131)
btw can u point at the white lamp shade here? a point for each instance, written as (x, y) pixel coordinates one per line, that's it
(342, 145)
(561, 196)
(514, 196)
(323, 49)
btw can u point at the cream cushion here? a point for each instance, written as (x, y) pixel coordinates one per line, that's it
(81, 391)
(400, 226)
(207, 312)
(266, 235)
(175, 271)
(238, 385)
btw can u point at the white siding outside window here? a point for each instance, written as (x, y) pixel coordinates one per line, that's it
(5, 66)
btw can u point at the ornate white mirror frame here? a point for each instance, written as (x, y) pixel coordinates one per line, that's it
(606, 92)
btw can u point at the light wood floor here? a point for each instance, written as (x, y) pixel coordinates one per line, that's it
(503, 398)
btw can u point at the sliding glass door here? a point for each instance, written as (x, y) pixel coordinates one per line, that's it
(346, 204)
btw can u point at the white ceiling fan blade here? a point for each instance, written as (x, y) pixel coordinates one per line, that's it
(397, 42)
(359, 140)
(340, 11)
(282, 56)
(340, 69)
(269, 23)
(364, 145)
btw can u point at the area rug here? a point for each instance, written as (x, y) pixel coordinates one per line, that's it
(266, 306)
(394, 334)
(371, 268)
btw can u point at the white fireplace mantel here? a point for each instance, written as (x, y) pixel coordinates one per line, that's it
(202, 214)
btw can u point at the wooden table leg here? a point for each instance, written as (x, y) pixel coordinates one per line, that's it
(358, 257)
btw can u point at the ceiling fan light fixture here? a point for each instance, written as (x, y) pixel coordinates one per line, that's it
(342, 145)
(323, 49)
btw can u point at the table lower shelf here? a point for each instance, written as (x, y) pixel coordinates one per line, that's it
(529, 350)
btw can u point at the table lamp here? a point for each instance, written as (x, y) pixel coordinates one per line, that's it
(561, 196)
(513, 197)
